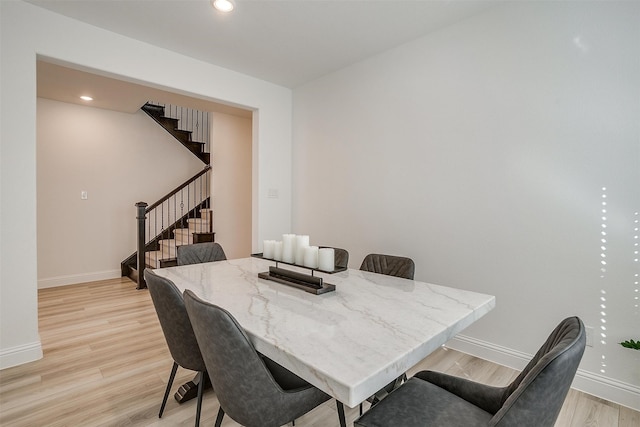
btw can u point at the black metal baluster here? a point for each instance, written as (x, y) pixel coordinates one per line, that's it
(188, 212)
(210, 202)
(161, 231)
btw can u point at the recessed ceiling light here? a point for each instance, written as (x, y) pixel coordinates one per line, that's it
(223, 5)
(86, 98)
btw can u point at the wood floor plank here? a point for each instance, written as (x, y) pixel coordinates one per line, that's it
(628, 417)
(591, 411)
(106, 364)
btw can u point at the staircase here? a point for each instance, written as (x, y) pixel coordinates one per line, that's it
(198, 230)
(157, 113)
(182, 217)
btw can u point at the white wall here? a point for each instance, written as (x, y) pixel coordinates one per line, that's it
(482, 151)
(119, 159)
(27, 31)
(232, 180)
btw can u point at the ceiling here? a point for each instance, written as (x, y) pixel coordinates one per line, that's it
(66, 84)
(286, 42)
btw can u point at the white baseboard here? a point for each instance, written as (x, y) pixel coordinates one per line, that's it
(18, 355)
(78, 278)
(588, 382)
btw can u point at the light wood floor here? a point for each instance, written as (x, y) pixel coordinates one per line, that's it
(106, 364)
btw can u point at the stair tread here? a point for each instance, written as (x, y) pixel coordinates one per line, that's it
(158, 255)
(189, 231)
(181, 231)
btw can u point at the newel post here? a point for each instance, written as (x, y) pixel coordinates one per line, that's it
(141, 217)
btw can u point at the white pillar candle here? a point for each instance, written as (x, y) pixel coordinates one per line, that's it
(277, 251)
(300, 254)
(301, 243)
(268, 247)
(288, 248)
(326, 259)
(311, 256)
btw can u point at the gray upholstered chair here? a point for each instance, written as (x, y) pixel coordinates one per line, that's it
(248, 391)
(533, 399)
(390, 265)
(200, 252)
(178, 333)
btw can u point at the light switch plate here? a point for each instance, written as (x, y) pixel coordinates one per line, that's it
(84, 195)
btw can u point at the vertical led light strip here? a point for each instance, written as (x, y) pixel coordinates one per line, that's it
(603, 272)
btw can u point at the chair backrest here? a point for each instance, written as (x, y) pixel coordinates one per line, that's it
(174, 321)
(245, 388)
(200, 252)
(390, 265)
(536, 396)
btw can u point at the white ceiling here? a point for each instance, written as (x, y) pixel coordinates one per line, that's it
(287, 42)
(65, 84)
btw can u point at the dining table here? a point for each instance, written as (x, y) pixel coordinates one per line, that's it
(350, 342)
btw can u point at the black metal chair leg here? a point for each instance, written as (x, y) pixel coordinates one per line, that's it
(361, 409)
(200, 393)
(219, 417)
(343, 422)
(169, 384)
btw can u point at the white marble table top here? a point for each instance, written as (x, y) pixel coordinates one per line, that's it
(349, 343)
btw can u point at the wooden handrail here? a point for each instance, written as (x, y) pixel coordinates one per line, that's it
(180, 187)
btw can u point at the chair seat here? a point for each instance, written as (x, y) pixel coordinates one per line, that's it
(419, 403)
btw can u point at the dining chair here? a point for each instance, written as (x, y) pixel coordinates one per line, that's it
(533, 399)
(200, 252)
(389, 265)
(178, 334)
(248, 391)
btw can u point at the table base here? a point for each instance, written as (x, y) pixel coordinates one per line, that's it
(189, 390)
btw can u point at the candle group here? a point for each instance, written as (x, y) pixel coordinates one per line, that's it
(295, 249)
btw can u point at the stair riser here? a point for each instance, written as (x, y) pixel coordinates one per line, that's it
(151, 260)
(199, 225)
(199, 228)
(167, 251)
(169, 122)
(183, 237)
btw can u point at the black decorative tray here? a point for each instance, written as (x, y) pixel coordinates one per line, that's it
(335, 270)
(306, 282)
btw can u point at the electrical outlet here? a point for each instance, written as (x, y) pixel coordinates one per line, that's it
(590, 332)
